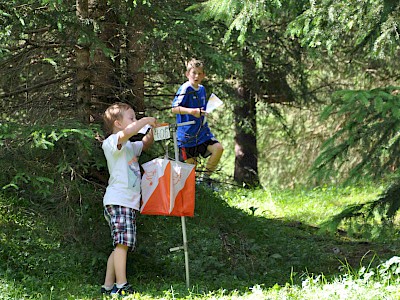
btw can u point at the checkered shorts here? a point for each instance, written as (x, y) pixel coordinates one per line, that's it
(122, 222)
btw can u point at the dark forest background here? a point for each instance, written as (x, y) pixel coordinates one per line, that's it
(311, 91)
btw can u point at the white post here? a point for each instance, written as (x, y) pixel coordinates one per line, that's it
(183, 221)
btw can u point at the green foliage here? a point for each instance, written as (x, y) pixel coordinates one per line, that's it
(240, 15)
(372, 219)
(255, 32)
(365, 144)
(367, 140)
(289, 138)
(352, 25)
(389, 271)
(43, 162)
(49, 163)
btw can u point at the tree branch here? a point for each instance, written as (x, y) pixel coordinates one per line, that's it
(34, 87)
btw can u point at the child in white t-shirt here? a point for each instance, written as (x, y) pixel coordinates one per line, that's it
(122, 198)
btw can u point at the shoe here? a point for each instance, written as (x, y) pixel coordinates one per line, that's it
(210, 184)
(205, 180)
(127, 289)
(104, 291)
(214, 188)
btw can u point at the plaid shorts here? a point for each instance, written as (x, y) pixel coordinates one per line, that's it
(122, 222)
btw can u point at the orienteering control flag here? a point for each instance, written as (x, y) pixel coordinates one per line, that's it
(168, 188)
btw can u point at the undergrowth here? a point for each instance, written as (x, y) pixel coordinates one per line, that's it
(243, 244)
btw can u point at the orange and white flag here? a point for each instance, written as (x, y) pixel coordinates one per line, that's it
(168, 188)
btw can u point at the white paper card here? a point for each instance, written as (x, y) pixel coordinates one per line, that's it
(213, 103)
(144, 129)
(161, 133)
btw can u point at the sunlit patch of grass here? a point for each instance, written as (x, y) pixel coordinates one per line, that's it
(310, 206)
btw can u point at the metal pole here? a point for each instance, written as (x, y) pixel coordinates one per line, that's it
(186, 252)
(183, 221)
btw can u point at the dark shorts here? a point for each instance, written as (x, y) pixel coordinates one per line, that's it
(191, 152)
(122, 222)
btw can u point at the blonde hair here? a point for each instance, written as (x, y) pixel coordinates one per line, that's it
(113, 113)
(194, 63)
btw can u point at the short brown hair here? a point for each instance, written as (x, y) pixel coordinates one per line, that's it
(194, 63)
(114, 112)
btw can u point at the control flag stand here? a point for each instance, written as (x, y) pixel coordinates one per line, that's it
(161, 133)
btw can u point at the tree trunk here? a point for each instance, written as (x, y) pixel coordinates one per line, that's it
(104, 74)
(246, 155)
(83, 92)
(135, 62)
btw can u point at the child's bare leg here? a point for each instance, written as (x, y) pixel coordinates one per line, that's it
(110, 272)
(213, 160)
(192, 161)
(120, 255)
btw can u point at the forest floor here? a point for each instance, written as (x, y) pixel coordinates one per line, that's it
(243, 244)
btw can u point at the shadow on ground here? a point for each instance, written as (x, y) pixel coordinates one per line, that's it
(228, 248)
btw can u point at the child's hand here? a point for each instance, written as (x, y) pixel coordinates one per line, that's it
(151, 121)
(198, 112)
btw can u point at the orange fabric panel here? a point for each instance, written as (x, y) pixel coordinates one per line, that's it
(159, 202)
(164, 180)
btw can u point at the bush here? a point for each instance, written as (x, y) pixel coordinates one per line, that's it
(46, 163)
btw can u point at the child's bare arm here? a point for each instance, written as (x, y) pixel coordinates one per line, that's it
(134, 128)
(196, 112)
(148, 140)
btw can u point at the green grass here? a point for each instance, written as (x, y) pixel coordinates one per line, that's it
(312, 206)
(243, 244)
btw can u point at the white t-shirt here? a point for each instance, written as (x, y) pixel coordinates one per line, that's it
(124, 182)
